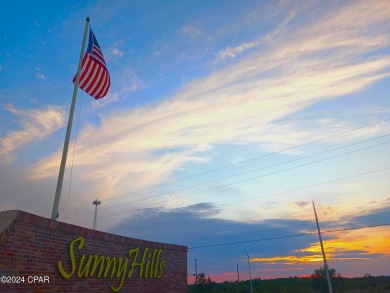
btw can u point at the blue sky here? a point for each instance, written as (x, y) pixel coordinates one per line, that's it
(223, 122)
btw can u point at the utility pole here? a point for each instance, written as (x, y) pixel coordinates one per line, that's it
(323, 252)
(249, 267)
(238, 278)
(96, 203)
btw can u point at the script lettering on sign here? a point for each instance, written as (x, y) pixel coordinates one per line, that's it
(147, 261)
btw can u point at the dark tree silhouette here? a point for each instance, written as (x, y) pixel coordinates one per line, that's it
(202, 282)
(320, 273)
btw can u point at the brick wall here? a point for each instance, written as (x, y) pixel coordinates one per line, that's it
(31, 245)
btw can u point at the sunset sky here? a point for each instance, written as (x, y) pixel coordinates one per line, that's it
(224, 120)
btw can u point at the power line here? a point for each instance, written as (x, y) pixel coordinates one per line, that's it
(272, 194)
(280, 228)
(237, 163)
(307, 186)
(249, 233)
(263, 175)
(256, 177)
(289, 236)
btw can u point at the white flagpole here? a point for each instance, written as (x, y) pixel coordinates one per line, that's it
(323, 252)
(54, 213)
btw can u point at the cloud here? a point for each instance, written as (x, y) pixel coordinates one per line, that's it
(302, 203)
(272, 244)
(40, 75)
(35, 125)
(233, 52)
(218, 243)
(196, 226)
(191, 31)
(363, 14)
(271, 38)
(342, 247)
(310, 258)
(114, 52)
(19, 196)
(239, 103)
(130, 82)
(107, 100)
(368, 217)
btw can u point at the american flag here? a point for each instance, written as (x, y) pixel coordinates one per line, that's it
(94, 76)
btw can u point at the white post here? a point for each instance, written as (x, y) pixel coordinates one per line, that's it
(323, 252)
(54, 213)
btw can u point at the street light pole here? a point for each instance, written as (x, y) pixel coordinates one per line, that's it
(196, 276)
(238, 278)
(249, 267)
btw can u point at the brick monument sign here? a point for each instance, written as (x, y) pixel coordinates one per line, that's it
(41, 255)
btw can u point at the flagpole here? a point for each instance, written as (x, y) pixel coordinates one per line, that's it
(54, 213)
(323, 252)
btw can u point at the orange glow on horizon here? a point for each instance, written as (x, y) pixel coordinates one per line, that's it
(289, 259)
(354, 246)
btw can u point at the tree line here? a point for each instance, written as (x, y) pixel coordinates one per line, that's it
(316, 283)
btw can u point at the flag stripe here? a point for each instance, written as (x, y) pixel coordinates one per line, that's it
(93, 84)
(89, 83)
(97, 87)
(98, 55)
(94, 75)
(86, 73)
(106, 85)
